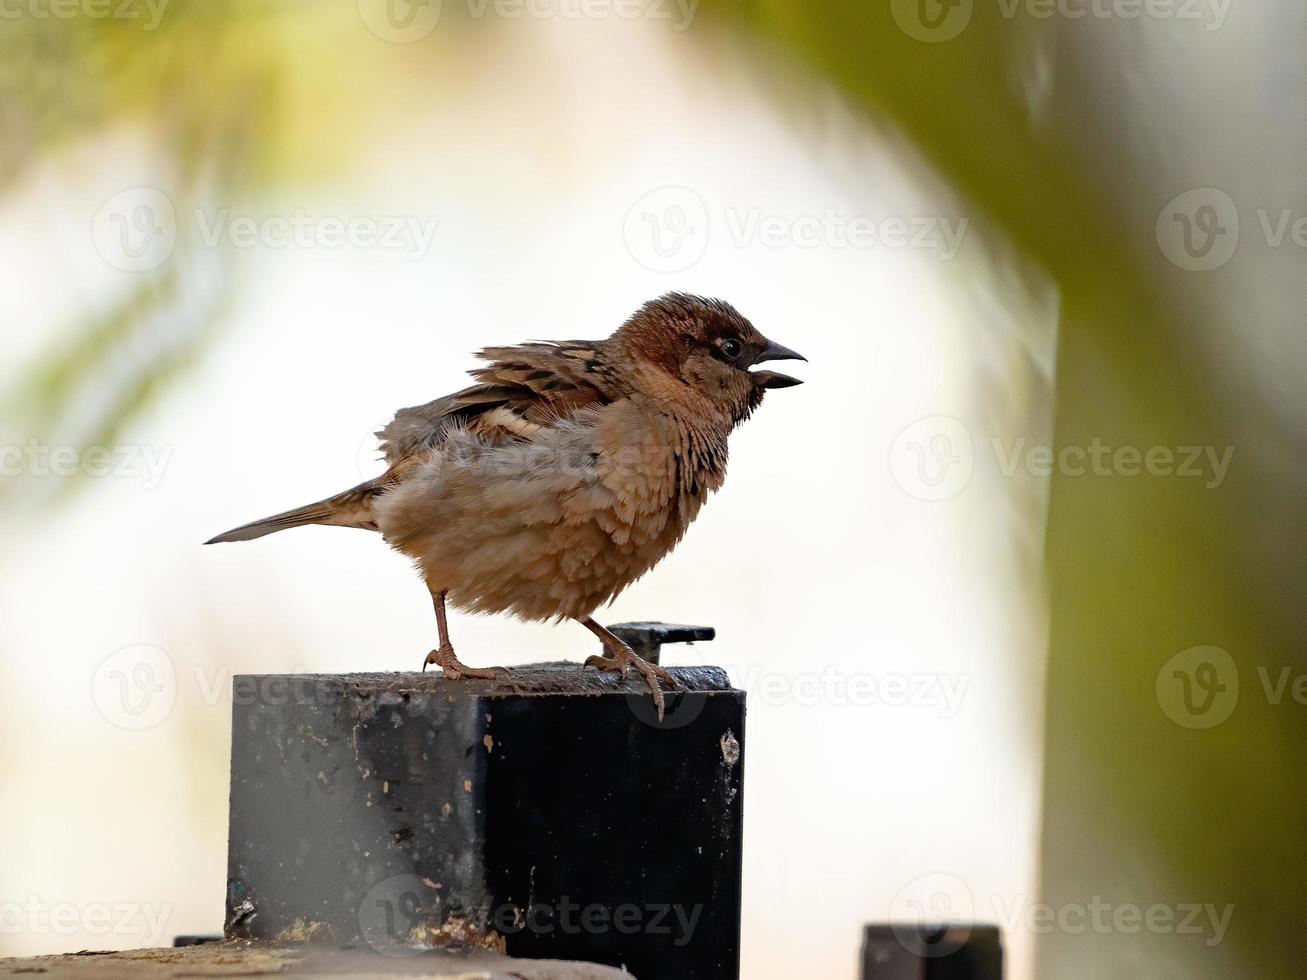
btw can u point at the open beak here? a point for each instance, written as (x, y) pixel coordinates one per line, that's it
(774, 379)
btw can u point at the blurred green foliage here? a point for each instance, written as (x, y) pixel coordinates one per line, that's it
(1139, 810)
(207, 96)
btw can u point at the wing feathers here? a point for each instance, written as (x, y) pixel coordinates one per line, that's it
(520, 389)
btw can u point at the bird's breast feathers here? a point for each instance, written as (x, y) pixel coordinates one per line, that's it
(595, 499)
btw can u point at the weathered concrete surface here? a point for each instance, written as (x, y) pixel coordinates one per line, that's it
(244, 959)
(560, 677)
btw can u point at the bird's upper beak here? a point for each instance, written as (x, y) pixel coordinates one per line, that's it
(774, 379)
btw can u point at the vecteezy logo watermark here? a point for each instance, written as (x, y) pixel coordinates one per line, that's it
(150, 12)
(35, 458)
(138, 686)
(932, 914)
(125, 920)
(932, 20)
(934, 233)
(135, 687)
(303, 230)
(400, 916)
(933, 458)
(402, 21)
(667, 230)
(941, 694)
(1198, 687)
(1199, 229)
(136, 230)
(936, 21)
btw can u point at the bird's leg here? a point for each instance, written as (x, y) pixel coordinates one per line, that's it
(622, 657)
(443, 656)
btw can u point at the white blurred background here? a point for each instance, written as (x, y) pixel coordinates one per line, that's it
(891, 643)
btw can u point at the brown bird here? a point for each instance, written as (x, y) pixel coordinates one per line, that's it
(565, 473)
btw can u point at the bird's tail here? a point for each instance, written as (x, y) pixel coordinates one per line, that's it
(353, 508)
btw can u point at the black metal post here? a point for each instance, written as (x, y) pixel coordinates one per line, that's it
(548, 814)
(956, 951)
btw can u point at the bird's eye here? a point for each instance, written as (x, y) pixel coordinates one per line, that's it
(731, 347)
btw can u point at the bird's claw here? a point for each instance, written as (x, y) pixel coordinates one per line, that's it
(443, 657)
(652, 673)
(605, 663)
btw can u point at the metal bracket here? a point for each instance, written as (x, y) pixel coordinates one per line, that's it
(647, 639)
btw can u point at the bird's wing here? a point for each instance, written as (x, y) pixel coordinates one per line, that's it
(520, 389)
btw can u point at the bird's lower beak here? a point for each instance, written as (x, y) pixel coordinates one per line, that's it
(774, 379)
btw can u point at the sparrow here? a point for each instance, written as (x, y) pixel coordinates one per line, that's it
(567, 471)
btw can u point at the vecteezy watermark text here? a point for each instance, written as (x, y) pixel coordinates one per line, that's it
(136, 230)
(668, 230)
(1199, 687)
(936, 21)
(942, 693)
(149, 12)
(941, 899)
(935, 457)
(1100, 459)
(831, 229)
(300, 229)
(1200, 229)
(1104, 918)
(35, 916)
(402, 915)
(627, 918)
(405, 21)
(35, 458)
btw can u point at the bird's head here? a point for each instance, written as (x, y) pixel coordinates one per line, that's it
(705, 345)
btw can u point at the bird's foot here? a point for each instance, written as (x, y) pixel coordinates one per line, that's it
(443, 657)
(626, 658)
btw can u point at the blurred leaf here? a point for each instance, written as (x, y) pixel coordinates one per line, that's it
(1139, 810)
